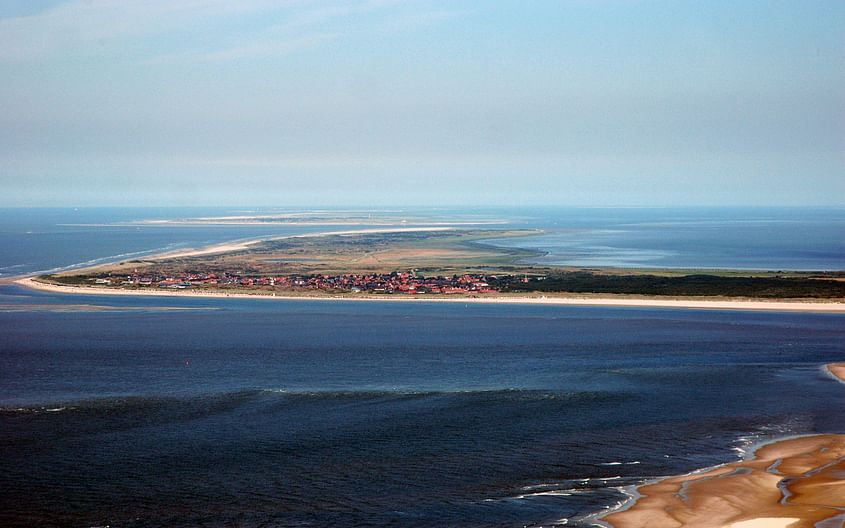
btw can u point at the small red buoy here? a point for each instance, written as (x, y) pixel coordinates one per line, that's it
(186, 363)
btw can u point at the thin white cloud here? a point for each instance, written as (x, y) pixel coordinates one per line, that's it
(270, 48)
(207, 30)
(425, 18)
(71, 27)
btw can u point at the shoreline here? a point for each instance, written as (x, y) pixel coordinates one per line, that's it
(622, 302)
(793, 483)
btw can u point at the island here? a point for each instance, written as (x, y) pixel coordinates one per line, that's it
(444, 262)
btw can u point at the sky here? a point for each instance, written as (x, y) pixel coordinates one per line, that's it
(380, 103)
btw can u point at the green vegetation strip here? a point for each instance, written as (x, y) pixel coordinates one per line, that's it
(681, 286)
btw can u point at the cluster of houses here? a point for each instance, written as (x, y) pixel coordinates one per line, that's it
(397, 282)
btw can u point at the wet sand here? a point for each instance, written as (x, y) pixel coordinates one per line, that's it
(794, 483)
(491, 298)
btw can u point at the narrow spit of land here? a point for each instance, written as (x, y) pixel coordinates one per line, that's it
(794, 483)
(438, 263)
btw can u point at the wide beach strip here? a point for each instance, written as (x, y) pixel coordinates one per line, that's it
(779, 306)
(793, 483)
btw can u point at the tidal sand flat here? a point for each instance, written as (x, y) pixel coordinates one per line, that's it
(793, 483)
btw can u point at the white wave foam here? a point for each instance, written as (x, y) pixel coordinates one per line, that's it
(564, 488)
(631, 496)
(111, 258)
(554, 493)
(826, 370)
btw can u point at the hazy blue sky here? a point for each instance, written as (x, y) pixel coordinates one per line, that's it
(587, 102)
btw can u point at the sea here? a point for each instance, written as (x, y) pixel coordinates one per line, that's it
(206, 412)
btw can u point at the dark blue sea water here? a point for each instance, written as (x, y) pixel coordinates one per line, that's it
(181, 412)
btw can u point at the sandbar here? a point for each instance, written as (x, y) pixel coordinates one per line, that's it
(793, 483)
(243, 245)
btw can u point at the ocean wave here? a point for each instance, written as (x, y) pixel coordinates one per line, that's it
(109, 259)
(507, 394)
(601, 484)
(575, 486)
(4, 269)
(140, 401)
(114, 403)
(32, 409)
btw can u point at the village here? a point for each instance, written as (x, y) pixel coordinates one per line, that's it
(396, 282)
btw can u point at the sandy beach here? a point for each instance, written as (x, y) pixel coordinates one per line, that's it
(778, 306)
(793, 483)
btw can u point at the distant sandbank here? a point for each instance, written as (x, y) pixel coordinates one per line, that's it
(574, 300)
(794, 483)
(248, 220)
(242, 245)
